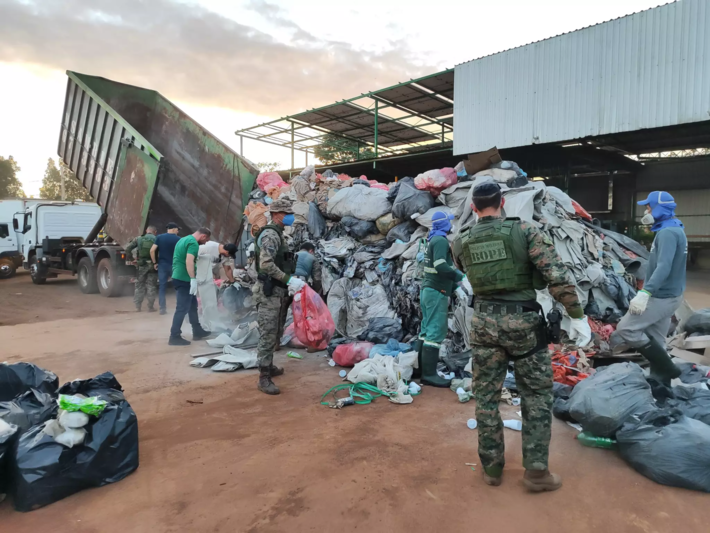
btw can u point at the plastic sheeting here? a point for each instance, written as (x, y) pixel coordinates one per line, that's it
(18, 378)
(353, 303)
(360, 202)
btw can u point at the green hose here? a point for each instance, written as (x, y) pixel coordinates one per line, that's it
(361, 393)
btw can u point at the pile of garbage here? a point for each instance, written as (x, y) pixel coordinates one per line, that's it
(56, 441)
(661, 431)
(371, 238)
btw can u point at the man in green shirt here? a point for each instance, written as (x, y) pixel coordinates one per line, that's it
(185, 283)
(440, 280)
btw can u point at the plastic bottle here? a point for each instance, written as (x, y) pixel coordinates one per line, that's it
(294, 355)
(592, 441)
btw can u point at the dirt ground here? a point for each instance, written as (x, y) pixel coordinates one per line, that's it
(241, 461)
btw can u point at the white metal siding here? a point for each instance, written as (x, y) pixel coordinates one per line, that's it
(693, 210)
(646, 70)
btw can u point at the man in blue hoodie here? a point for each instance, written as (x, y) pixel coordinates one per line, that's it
(646, 325)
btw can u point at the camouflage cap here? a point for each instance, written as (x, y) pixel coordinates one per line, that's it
(282, 205)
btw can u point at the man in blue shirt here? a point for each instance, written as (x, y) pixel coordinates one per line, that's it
(165, 247)
(646, 325)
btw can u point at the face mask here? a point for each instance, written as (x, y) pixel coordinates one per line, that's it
(289, 219)
(647, 219)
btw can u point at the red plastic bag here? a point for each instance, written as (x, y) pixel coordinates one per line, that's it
(289, 338)
(581, 211)
(269, 180)
(351, 354)
(436, 180)
(312, 321)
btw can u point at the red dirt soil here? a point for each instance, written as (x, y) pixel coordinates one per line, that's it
(242, 461)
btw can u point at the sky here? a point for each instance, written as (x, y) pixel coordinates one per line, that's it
(232, 64)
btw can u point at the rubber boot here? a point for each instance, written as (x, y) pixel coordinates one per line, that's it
(417, 347)
(493, 476)
(276, 371)
(430, 357)
(541, 481)
(662, 366)
(265, 384)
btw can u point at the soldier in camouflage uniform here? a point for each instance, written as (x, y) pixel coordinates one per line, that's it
(147, 276)
(274, 265)
(506, 260)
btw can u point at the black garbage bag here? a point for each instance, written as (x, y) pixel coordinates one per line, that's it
(668, 447)
(18, 378)
(402, 231)
(692, 402)
(560, 409)
(8, 433)
(361, 182)
(359, 228)
(316, 222)
(411, 200)
(29, 409)
(456, 362)
(560, 390)
(380, 330)
(602, 402)
(44, 471)
(690, 373)
(699, 322)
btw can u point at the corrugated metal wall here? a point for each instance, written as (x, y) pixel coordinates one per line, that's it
(646, 70)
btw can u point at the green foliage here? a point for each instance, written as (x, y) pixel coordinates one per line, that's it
(52, 184)
(267, 167)
(336, 149)
(10, 186)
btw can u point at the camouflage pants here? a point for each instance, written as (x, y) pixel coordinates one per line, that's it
(146, 285)
(494, 338)
(271, 316)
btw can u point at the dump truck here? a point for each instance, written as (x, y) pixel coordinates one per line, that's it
(145, 163)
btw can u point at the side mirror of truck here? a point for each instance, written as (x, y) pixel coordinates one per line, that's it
(15, 225)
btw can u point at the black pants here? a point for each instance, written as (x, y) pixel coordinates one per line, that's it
(186, 305)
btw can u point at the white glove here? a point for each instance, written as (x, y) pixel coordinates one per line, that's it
(579, 331)
(295, 285)
(639, 302)
(193, 286)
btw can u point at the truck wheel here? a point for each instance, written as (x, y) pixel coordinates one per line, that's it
(108, 282)
(38, 278)
(7, 268)
(86, 273)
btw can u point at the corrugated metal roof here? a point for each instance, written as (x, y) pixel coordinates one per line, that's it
(646, 70)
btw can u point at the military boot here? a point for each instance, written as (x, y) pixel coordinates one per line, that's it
(662, 366)
(430, 357)
(151, 309)
(541, 481)
(265, 384)
(417, 347)
(275, 371)
(493, 475)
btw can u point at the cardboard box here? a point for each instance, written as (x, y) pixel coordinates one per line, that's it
(481, 160)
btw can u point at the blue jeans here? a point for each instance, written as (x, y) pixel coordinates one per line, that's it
(186, 305)
(164, 272)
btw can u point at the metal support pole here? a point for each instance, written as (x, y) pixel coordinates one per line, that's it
(293, 165)
(377, 116)
(241, 145)
(443, 134)
(306, 157)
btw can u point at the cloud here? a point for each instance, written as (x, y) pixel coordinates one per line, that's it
(191, 54)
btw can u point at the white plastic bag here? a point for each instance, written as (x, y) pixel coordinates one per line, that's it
(361, 202)
(73, 420)
(71, 437)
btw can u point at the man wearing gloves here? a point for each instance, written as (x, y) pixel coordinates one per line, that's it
(506, 260)
(645, 326)
(185, 283)
(275, 265)
(440, 280)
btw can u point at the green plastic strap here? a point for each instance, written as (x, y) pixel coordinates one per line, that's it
(362, 393)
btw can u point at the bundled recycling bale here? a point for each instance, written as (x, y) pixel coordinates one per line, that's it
(364, 203)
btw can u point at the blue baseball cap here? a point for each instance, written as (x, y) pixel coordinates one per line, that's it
(658, 198)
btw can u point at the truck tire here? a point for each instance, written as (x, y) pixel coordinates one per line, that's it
(7, 268)
(36, 272)
(86, 274)
(108, 282)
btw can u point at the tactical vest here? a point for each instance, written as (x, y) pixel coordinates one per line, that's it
(495, 256)
(284, 258)
(145, 243)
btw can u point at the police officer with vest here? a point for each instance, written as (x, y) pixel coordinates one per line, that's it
(275, 265)
(440, 280)
(147, 276)
(505, 260)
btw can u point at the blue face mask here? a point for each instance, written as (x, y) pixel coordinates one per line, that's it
(289, 219)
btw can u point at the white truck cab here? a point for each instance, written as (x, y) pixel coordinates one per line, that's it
(10, 239)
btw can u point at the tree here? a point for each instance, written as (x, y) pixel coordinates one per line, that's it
(267, 167)
(336, 149)
(52, 184)
(10, 186)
